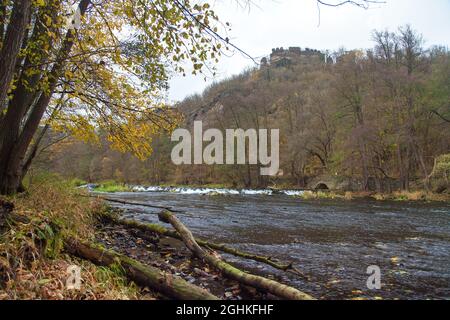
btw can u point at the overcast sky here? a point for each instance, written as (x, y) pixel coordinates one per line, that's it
(283, 23)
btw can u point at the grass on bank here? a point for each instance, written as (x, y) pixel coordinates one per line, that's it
(194, 185)
(111, 186)
(76, 182)
(33, 264)
(395, 196)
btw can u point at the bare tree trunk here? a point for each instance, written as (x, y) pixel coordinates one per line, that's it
(33, 152)
(400, 166)
(14, 148)
(14, 36)
(407, 164)
(365, 169)
(25, 92)
(3, 13)
(420, 158)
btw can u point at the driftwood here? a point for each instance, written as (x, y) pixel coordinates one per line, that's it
(147, 227)
(280, 290)
(169, 285)
(132, 203)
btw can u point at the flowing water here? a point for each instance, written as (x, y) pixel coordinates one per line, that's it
(331, 242)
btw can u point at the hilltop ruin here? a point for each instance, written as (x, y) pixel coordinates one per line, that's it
(281, 57)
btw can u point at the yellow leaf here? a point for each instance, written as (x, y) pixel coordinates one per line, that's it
(395, 260)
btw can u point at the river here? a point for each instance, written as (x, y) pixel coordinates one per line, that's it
(332, 242)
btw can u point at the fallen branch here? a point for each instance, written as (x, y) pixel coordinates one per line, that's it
(146, 276)
(130, 203)
(147, 227)
(281, 290)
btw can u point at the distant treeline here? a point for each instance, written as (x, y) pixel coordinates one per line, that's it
(379, 118)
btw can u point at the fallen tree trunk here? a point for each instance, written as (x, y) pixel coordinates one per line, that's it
(151, 277)
(147, 227)
(131, 203)
(281, 290)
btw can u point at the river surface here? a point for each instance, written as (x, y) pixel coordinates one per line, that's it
(331, 242)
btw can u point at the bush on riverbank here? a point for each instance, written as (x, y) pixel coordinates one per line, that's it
(77, 182)
(111, 186)
(32, 263)
(395, 196)
(412, 196)
(318, 195)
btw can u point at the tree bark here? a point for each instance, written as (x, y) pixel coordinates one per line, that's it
(420, 158)
(3, 13)
(12, 154)
(12, 43)
(261, 283)
(25, 92)
(400, 166)
(33, 152)
(147, 276)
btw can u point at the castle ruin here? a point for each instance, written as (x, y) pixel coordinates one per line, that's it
(281, 57)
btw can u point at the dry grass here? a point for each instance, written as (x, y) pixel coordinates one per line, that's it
(32, 264)
(395, 196)
(412, 196)
(320, 195)
(46, 279)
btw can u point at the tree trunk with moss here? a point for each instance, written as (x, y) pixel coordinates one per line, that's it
(146, 276)
(148, 227)
(266, 285)
(22, 117)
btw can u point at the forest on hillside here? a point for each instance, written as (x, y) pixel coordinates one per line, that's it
(377, 119)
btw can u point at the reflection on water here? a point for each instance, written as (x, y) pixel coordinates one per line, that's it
(332, 242)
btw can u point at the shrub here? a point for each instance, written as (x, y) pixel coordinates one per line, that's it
(77, 182)
(111, 186)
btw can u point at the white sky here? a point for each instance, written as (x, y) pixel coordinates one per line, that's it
(283, 23)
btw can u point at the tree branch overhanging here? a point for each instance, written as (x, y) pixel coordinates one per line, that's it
(365, 4)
